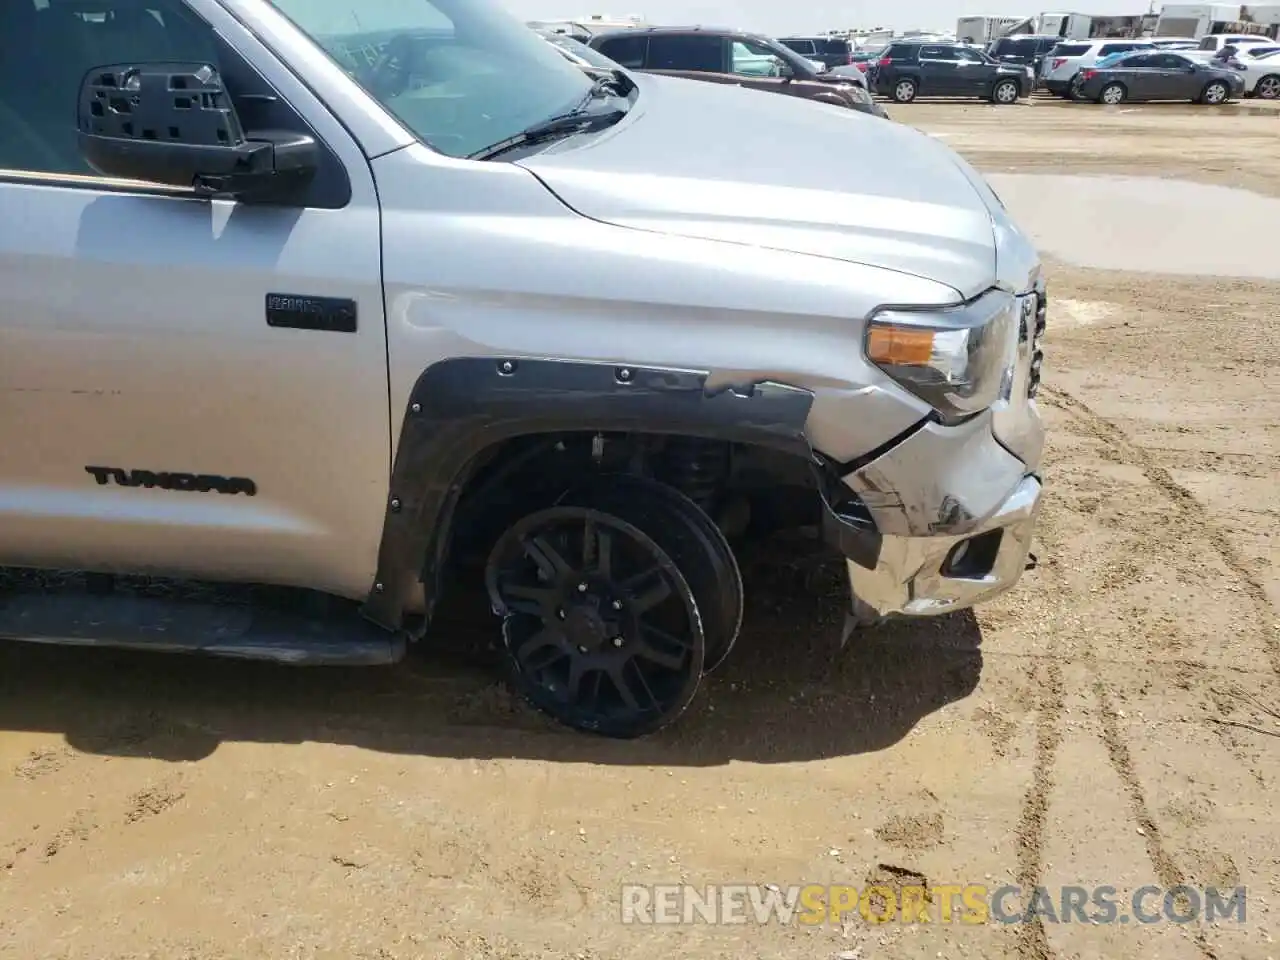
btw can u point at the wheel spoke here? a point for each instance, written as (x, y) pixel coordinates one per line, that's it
(538, 601)
(541, 650)
(631, 696)
(593, 692)
(648, 589)
(573, 687)
(590, 543)
(663, 658)
(548, 558)
(604, 555)
(649, 700)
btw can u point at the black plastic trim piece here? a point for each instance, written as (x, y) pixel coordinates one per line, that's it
(461, 406)
(852, 532)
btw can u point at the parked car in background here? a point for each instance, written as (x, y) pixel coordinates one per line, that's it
(1111, 58)
(1216, 41)
(1158, 75)
(910, 69)
(856, 69)
(1261, 75)
(576, 51)
(722, 55)
(1064, 61)
(1028, 50)
(1246, 51)
(829, 51)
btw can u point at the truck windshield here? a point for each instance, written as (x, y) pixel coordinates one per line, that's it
(460, 74)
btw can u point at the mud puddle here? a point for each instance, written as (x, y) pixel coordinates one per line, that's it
(1145, 224)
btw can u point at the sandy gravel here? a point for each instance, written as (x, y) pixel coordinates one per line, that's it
(1114, 721)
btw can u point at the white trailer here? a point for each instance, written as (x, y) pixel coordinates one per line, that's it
(982, 30)
(1069, 26)
(1195, 20)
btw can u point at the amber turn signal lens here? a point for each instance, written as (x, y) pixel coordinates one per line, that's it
(911, 346)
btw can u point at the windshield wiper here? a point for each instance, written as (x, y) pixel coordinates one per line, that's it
(578, 120)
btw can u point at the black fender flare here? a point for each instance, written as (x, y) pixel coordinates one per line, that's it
(460, 407)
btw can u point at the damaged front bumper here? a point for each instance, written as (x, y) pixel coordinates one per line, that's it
(942, 521)
(926, 576)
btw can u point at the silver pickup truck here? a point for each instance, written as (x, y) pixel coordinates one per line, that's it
(376, 298)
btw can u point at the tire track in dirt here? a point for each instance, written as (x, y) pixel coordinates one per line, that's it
(1032, 939)
(1045, 675)
(1166, 867)
(1184, 501)
(1117, 747)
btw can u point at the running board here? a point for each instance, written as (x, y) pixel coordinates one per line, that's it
(241, 631)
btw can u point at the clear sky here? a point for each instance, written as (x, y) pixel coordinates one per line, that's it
(779, 17)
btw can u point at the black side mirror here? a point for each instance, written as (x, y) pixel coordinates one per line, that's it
(174, 124)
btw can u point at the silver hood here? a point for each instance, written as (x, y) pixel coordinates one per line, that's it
(717, 162)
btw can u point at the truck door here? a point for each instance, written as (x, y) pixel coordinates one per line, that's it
(190, 386)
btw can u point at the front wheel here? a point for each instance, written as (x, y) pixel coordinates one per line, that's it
(1268, 88)
(614, 603)
(904, 91)
(1005, 92)
(1112, 94)
(1215, 93)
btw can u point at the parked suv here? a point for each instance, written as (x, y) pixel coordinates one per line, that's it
(831, 52)
(1063, 62)
(1026, 50)
(907, 70)
(731, 57)
(372, 303)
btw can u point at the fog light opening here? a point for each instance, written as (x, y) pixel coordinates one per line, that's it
(975, 557)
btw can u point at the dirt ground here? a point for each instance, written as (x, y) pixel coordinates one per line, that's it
(1116, 720)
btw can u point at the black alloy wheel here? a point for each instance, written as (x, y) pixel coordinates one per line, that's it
(693, 540)
(601, 626)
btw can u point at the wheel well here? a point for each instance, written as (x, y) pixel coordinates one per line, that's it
(749, 490)
(466, 417)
